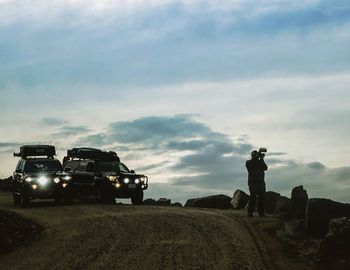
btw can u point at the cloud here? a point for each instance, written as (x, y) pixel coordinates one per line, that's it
(9, 146)
(67, 131)
(191, 156)
(53, 121)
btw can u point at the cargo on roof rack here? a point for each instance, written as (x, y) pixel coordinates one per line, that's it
(36, 151)
(92, 153)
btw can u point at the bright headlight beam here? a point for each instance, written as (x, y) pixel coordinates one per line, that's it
(126, 180)
(43, 180)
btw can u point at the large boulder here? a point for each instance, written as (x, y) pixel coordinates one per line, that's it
(239, 199)
(164, 202)
(271, 199)
(149, 202)
(190, 202)
(176, 204)
(299, 200)
(334, 251)
(320, 211)
(283, 205)
(215, 201)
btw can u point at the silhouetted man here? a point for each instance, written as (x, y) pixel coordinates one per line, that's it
(256, 167)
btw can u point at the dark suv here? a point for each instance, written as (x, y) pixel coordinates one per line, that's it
(38, 175)
(101, 174)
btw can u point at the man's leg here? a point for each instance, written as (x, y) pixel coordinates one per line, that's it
(252, 199)
(261, 201)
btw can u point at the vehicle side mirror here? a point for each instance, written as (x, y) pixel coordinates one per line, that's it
(67, 169)
(132, 171)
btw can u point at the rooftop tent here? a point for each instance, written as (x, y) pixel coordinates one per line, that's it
(35, 151)
(92, 153)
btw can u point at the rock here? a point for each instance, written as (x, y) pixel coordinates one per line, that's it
(282, 207)
(295, 228)
(215, 201)
(190, 202)
(177, 204)
(149, 202)
(239, 199)
(271, 199)
(164, 202)
(334, 251)
(299, 200)
(319, 212)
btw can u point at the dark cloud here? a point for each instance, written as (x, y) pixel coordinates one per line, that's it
(316, 166)
(53, 121)
(67, 131)
(9, 146)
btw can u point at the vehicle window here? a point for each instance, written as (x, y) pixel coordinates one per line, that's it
(42, 165)
(18, 167)
(90, 167)
(106, 167)
(71, 164)
(82, 166)
(123, 168)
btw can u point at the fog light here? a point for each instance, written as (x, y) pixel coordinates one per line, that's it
(117, 185)
(137, 181)
(143, 186)
(56, 180)
(64, 185)
(34, 186)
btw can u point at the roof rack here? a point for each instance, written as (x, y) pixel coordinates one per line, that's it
(92, 153)
(26, 151)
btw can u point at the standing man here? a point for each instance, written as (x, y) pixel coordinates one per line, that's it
(256, 167)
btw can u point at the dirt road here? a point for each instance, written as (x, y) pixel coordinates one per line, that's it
(91, 236)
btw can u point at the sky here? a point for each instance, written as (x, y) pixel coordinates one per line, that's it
(183, 91)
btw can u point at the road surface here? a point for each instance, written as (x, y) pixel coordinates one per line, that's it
(93, 236)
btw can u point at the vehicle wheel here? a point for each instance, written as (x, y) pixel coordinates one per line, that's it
(24, 201)
(16, 199)
(137, 197)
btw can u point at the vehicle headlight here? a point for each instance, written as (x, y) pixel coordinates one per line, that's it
(137, 181)
(29, 179)
(56, 180)
(126, 180)
(43, 180)
(67, 178)
(112, 178)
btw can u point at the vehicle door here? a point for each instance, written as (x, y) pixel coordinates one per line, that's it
(85, 173)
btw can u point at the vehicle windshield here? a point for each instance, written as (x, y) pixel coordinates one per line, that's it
(107, 166)
(42, 166)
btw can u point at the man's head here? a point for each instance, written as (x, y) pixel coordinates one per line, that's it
(255, 154)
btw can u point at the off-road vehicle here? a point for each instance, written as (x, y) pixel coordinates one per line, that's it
(38, 175)
(102, 175)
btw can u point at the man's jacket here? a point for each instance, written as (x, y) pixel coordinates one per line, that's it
(256, 171)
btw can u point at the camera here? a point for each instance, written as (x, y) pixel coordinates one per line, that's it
(261, 153)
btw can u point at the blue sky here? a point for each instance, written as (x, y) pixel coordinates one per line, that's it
(183, 90)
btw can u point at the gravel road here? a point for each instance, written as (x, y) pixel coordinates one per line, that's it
(92, 236)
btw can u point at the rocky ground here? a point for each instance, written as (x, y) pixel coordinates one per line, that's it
(92, 236)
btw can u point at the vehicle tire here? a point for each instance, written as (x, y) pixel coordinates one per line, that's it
(16, 199)
(24, 200)
(137, 197)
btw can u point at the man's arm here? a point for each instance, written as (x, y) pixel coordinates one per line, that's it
(264, 166)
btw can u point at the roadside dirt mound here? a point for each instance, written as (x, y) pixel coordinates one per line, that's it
(16, 230)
